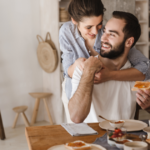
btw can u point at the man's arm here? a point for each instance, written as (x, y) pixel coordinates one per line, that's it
(79, 105)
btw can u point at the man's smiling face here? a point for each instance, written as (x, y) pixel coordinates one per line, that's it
(113, 41)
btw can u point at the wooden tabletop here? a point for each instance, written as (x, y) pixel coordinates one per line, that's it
(44, 137)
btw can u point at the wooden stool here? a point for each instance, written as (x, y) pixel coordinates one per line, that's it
(39, 96)
(21, 110)
(2, 133)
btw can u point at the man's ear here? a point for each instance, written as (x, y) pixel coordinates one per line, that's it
(129, 42)
(73, 21)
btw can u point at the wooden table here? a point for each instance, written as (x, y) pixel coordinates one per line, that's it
(44, 137)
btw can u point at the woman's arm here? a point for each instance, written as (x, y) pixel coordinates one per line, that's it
(78, 63)
(131, 74)
(141, 70)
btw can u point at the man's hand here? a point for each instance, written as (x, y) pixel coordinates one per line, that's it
(143, 99)
(93, 64)
(102, 76)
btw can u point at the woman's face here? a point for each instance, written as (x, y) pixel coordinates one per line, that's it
(89, 26)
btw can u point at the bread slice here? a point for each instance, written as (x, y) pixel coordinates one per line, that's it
(78, 145)
(141, 85)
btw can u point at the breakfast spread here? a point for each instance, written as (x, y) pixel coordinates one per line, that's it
(141, 85)
(78, 145)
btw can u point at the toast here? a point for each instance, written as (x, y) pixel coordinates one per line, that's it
(141, 85)
(78, 145)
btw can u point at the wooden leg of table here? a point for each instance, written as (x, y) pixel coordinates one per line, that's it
(36, 107)
(25, 119)
(2, 133)
(49, 115)
(15, 121)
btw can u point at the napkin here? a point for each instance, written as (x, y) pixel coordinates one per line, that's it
(80, 129)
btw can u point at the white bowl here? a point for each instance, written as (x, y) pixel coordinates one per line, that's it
(121, 145)
(116, 125)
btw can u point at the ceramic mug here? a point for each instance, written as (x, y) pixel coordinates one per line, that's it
(135, 145)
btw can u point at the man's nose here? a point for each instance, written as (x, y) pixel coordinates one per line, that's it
(104, 37)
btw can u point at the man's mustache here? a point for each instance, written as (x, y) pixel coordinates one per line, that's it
(106, 43)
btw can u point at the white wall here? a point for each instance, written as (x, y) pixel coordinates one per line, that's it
(50, 23)
(20, 72)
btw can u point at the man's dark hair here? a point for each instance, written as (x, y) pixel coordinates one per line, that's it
(132, 27)
(85, 8)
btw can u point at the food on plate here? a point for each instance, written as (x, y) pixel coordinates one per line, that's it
(117, 135)
(78, 145)
(117, 122)
(141, 85)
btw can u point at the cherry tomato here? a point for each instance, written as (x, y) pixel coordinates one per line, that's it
(117, 130)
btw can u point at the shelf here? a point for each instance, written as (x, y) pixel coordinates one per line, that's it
(141, 43)
(142, 21)
(140, 0)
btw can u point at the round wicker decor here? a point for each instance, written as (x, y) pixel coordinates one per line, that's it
(47, 56)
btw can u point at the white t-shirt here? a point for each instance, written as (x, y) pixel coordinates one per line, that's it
(112, 99)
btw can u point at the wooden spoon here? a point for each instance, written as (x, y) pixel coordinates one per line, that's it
(105, 119)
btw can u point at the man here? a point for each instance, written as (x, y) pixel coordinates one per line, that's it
(112, 99)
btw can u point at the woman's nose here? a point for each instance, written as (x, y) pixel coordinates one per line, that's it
(95, 31)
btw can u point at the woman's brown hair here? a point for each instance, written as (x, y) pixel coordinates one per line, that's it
(85, 8)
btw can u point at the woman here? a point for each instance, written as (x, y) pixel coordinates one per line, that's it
(81, 38)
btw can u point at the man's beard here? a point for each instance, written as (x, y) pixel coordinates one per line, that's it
(114, 52)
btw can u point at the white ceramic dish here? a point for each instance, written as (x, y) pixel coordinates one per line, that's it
(130, 125)
(62, 147)
(113, 143)
(147, 130)
(118, 125)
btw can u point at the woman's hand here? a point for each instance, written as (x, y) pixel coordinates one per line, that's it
(78, 63)
(102, 76)
(143, 99)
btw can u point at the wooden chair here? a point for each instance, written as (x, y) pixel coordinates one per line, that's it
(2, 133)
(136, 117)
(18, 110)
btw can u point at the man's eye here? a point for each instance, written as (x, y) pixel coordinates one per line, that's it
(112, 34)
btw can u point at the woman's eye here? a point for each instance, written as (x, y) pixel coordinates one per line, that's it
(88, 27)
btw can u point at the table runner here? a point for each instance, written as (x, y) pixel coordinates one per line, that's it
(103, 140)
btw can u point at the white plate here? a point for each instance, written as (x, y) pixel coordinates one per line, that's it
(130, 125)
(62, 147)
